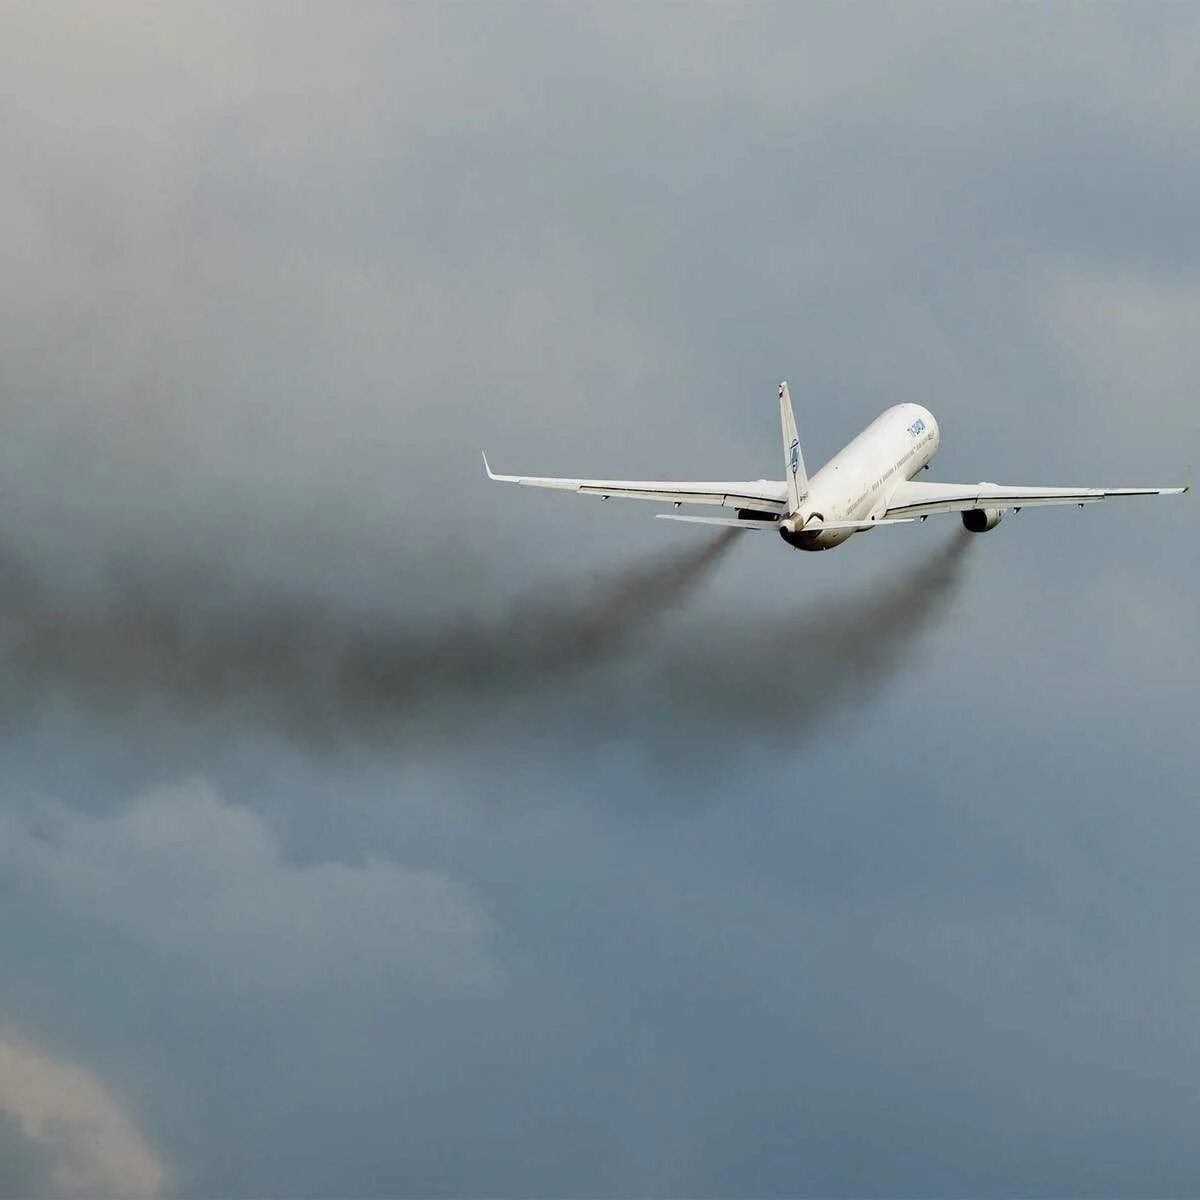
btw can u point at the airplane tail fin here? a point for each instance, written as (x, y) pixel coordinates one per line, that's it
(795, 475)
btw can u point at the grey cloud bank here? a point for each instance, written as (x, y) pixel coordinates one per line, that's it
(674, 924)
(194, 876)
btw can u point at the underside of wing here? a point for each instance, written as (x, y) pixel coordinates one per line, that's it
(757, 495)
(912, 499)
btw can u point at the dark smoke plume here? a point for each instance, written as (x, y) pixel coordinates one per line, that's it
(326, 679)
(782, 678)
(309, 669)
(786, 673)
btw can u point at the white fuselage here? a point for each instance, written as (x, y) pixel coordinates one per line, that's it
(859, 480)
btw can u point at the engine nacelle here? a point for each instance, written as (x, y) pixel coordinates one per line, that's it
(980, 520)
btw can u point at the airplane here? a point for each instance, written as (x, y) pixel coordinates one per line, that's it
(868, 484)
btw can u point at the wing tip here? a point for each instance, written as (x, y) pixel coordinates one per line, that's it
(486, 467)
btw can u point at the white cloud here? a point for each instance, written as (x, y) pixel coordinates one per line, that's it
(94, 1147)
(184, 872)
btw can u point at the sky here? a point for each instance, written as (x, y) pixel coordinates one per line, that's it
(367, 829)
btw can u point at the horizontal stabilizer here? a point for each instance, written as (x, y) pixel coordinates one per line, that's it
(818, 527)
(727, 522)
(860, 524)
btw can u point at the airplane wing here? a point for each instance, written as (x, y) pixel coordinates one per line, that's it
(912, 499)
(760, 495)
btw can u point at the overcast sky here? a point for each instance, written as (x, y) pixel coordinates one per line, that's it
(367, 829)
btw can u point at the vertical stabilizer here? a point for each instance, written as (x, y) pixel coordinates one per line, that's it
(795, 475)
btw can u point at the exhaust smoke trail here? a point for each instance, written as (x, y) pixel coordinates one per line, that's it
(787, 676)
(326, 680)
(729, 684)
(308, 668)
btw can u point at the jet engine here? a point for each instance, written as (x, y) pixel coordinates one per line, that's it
(980, 520)
(799, 532)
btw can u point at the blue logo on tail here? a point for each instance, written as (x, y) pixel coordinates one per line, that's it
(795, 456)
(916, 427)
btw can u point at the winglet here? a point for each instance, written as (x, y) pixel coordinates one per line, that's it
(501, 478)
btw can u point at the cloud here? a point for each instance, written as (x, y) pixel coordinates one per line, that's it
(188, 874)
(84, 1142)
